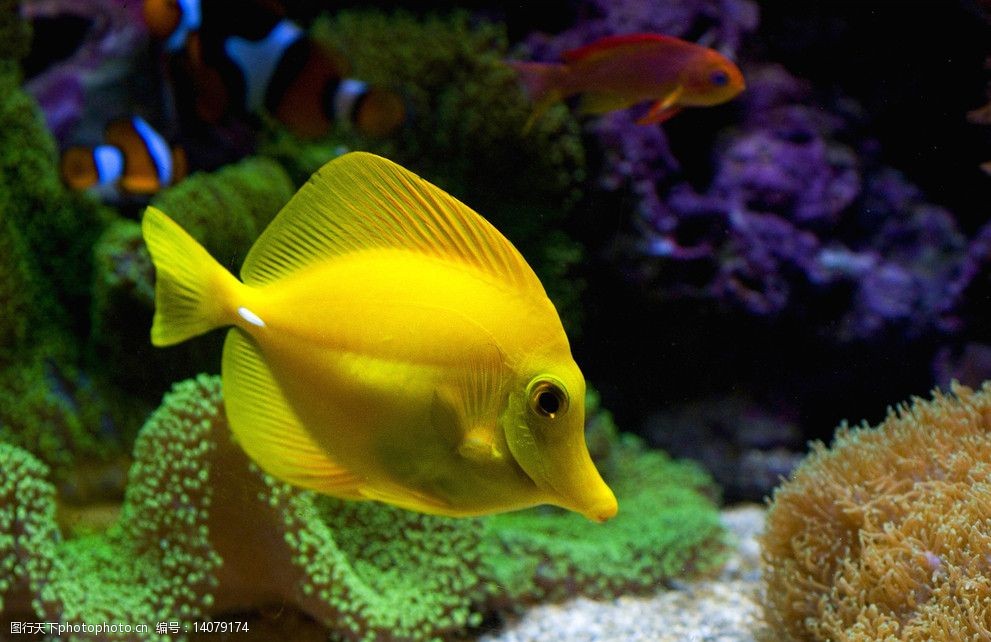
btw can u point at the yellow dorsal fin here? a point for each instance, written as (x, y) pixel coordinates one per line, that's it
(267, 428)
(360, 201)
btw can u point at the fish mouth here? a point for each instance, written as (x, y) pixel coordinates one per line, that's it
(602, 511)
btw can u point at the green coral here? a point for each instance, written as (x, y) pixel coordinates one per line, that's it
(204, 533)
(227, 210)
(51, 408)
(47, 404)
(57, 228)
(667, 527)
(27, 530)
(378, 572)
(162, 533)
(18, 290)
(466, 109)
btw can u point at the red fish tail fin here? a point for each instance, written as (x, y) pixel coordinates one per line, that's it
(543, 83)
(539, 78)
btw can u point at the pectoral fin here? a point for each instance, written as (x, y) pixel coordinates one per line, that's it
(466, 411)
(663, 109)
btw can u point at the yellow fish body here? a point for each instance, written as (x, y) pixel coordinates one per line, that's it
(388, 344)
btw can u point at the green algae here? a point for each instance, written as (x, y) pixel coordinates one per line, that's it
(204, 532)
(27, 530)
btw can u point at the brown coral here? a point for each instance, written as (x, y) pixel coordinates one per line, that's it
(887, 534)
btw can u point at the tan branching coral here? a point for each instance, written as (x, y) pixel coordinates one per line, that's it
(886, 535)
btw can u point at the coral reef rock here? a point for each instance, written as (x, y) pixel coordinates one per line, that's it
(885, 535)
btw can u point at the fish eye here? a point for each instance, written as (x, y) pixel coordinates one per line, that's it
(548, 399)
(719, 78)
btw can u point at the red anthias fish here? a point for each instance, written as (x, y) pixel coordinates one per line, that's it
(620, 71)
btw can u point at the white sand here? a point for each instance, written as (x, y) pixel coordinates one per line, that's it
(721, 610)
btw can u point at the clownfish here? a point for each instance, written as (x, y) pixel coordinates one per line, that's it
(387, 343)
(133, 159)
(617, 72)
(260, 61)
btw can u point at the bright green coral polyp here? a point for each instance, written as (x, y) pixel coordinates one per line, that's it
(202, 527)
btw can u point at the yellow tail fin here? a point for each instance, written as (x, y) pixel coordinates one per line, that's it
(193, 293)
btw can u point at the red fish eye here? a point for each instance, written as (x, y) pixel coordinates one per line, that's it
(719, 78)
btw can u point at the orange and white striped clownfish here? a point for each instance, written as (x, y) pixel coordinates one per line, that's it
(134, 159)
(254, 60)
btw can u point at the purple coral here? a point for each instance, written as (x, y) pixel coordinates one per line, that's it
(114, 45)
(721, 23)
(797, 213)
(791, 215)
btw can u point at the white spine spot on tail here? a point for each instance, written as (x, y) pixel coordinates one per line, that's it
(250, 317)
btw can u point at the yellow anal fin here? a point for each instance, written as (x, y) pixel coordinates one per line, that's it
(268, 429)
(663, 109)
(409, 499)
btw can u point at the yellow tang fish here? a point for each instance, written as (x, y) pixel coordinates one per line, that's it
(388, 344)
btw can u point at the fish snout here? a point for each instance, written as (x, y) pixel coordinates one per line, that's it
(588, 494)
(604, 510)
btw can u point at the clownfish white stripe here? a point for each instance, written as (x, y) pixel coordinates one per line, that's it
(189, 21)
(348, 93)
(259, 58)
(109, 162)
(158, 149)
